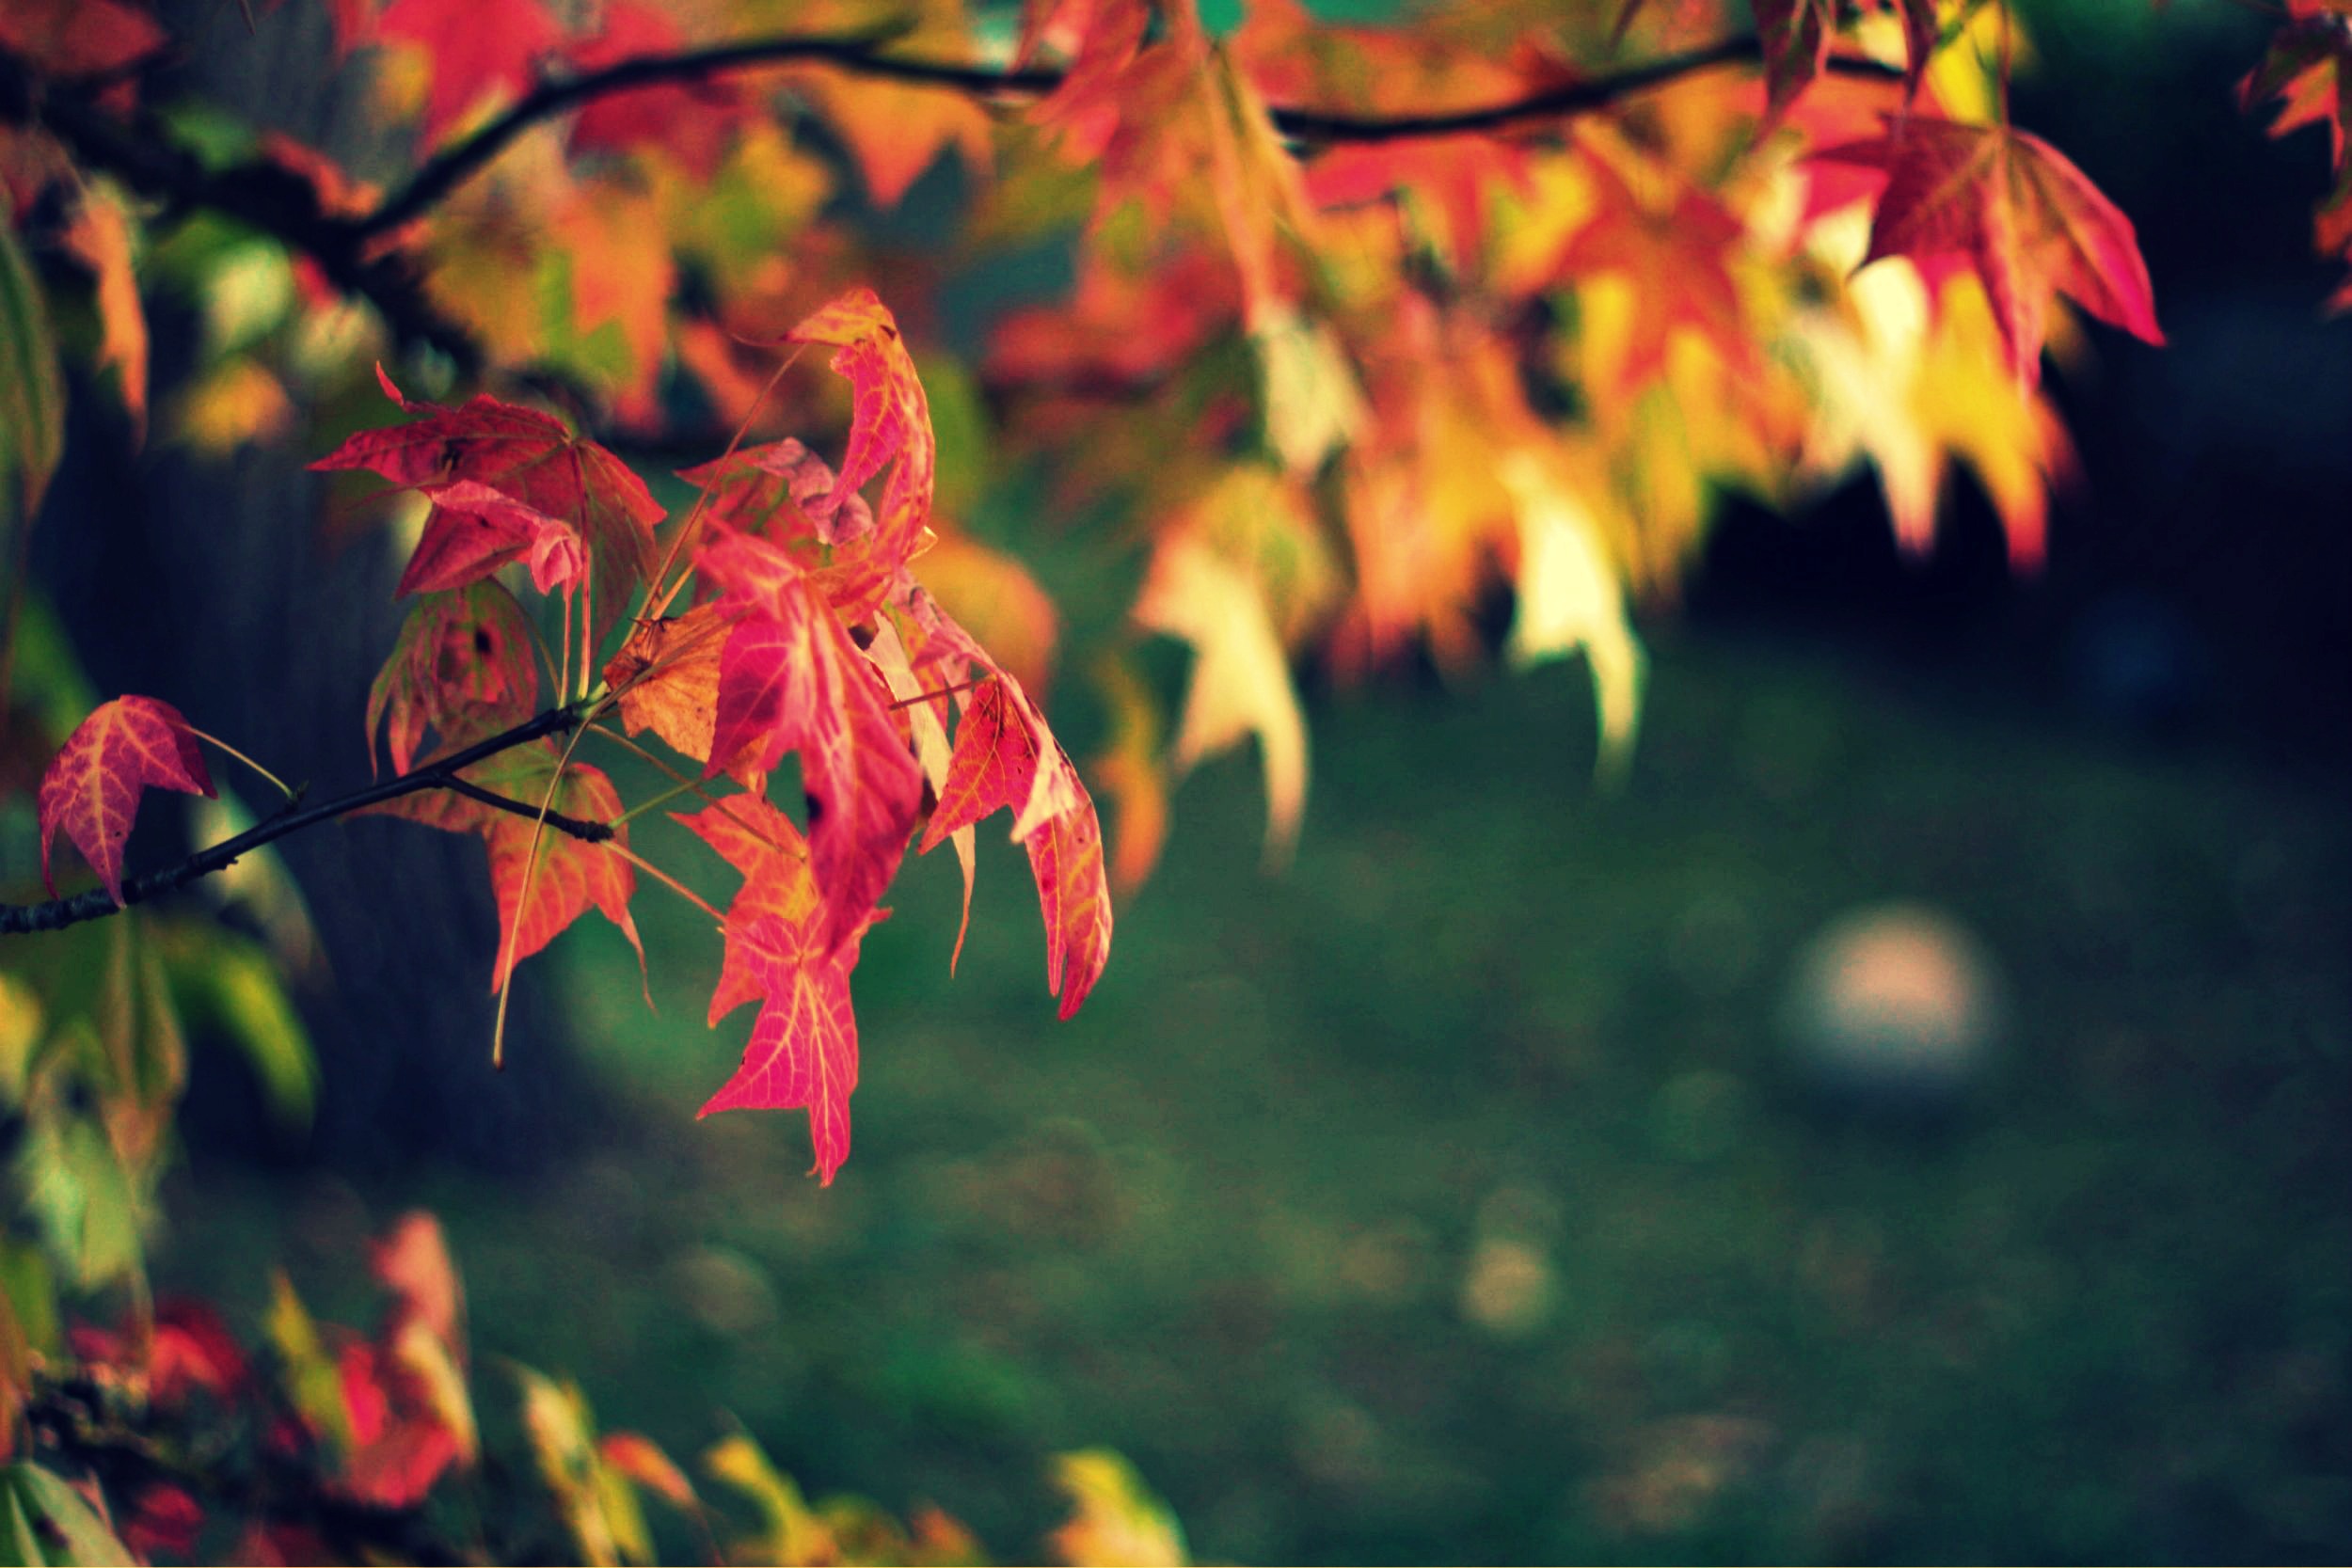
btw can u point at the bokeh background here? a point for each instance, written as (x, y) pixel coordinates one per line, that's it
(1906, 1120)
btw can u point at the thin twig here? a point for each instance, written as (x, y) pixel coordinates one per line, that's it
(440, 774)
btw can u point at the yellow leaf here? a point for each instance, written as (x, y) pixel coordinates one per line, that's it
(1241, 682)
(1570, 600)
(1118, 1520)
(1313, 407)
(235, 403)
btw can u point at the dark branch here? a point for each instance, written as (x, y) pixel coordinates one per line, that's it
(863, 56)
(141, 152)
(440, 774)
(280, 203)
(450, 168)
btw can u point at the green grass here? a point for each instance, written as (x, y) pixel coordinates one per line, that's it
(1494, 1027)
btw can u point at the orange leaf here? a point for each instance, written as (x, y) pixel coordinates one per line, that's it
(667, 678)
(100, 234)
(91, 787)
(572, 874)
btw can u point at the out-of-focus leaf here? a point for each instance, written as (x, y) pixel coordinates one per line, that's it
(792, 1533)
(79, 1194)
(1117, 1520)
(1241, 683)
(101, 235)
(311, 1381)
(600, 1511)
(48, 1522)
(1571, 600)
(229, 982)
(32, 397)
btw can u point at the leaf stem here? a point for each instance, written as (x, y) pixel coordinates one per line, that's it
(214, 740)
(688, 787)
(672, 884)
(508, 957)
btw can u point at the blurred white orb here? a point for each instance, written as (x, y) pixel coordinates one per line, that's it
(1896, 1004)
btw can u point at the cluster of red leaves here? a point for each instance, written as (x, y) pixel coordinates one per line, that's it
(374, 1419)
(802, 629)
(782, 616)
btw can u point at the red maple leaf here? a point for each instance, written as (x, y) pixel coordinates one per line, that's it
(91, 787)
(691, 120)
(791, 680)
(462, 665)
(472, 531)
(473, 46)
(803, 1046)
(890, 420)
(2010, 208)
(2308, 70)
(530, 459)
(78, 38)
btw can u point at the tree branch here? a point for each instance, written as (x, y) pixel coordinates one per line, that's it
(441, 774)
(859, 54)
(141, 152)
(863, 57)
(282, 204)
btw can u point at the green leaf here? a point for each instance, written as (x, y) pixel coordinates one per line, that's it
(32, 400)
(227, 982)
(42, 1505)
(81, 1198)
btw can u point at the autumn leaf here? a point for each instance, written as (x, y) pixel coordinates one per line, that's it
(1241, 682)
(472, 531)
(1115, 1517)
(890, 420)
(1571, 600)
(791, 680)
(667, 678)
(571, 875)
(532, 459)
(1066, 859)
(693, 121)
(1674, 249)
(2307, 71)
(2013, 209)
(786, 495)
(78, 38)
(472, 49)
(1796, 35)
(803, 1051)
(92, 789)
(100, 236)
(462, 665)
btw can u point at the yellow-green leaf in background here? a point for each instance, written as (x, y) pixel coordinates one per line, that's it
(1118, 1519)
(32, 400)
(41, 1505)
